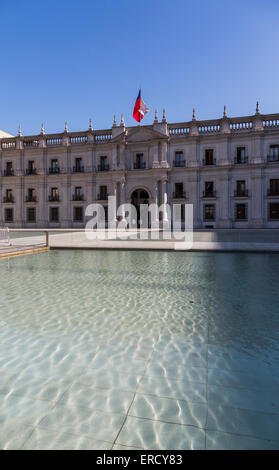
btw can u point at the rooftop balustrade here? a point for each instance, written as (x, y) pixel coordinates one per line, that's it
(233, 125)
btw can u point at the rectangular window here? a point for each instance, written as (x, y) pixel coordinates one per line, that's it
(78, 165)
(274, 187)
(9, 169)
(241, 188)
(31, 197)
(9, 196)
(31, 214)
(178, 156)
(274, 153)
(31, 168)
(274, 211)
(103, 193)
(140, 163)
(209, 189)
(103, 164)
(179, 162)
(179, 188)
(54, 214)
(78, 191)
(241, 211)
(78, 214)
(209, 186)
(78, 194)
(209, 157)
(240, 155)
(54, 168)
(9, 215)
(54, 194)
(209, 212)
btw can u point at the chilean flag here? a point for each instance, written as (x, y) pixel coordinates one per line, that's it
(140, 108)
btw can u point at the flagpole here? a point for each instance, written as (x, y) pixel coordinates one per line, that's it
(139, 111)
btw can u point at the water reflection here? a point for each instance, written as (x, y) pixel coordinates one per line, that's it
(166, 328)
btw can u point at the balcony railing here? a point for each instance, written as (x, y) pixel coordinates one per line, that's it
(209, 194)
(54, 198)
(103, 167)
(273, 193)
(272, 158)
(241, 193)
(78, 197)
(31, 171)
(140, 166)
(102, 197)
(8, 199)
(241, 160)
(209, 162)
(78, 169)
(9, 172)
(53, 171)
(179, 163)
(31, 199)
(179, 195)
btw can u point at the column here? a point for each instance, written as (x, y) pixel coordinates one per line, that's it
(114, 193)
(256, 219)
(155, 199)
(193, 192)
(42, 206)
(223, 152)
(165, 199)
(224, 219)
(257, 150)
(65, 207)
(164, 155)
(122, 198)
(155, 163)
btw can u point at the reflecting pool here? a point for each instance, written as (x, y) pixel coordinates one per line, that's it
(139, 350)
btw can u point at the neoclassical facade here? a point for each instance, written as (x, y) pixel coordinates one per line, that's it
(227, 168)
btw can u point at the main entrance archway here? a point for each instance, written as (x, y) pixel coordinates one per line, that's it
(138, 197)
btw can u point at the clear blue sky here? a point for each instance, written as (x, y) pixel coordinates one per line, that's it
(76, 59)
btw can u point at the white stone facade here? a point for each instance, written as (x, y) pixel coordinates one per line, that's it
(227, 168)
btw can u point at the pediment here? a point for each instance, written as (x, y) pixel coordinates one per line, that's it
(4, 134)
(142, 134)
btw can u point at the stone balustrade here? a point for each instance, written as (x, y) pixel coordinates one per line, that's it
(258, 122)
(271, 123)
(177, 131)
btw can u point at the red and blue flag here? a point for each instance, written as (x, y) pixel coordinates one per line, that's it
(140, 108)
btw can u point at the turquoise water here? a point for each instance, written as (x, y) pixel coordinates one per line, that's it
(149, 350)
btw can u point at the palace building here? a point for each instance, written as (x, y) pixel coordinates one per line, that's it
(227, 168)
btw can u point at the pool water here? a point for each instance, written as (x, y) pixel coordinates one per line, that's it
(139, 350)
